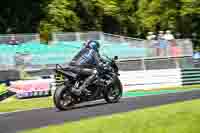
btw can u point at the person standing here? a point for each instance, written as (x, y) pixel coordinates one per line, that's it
(151, 36)
(13, 40)
(151, 44)
(173, 49)
(162, 50)
(169, 36)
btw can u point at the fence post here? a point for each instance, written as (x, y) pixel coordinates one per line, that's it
(54, 38)
(143, 64)
(37, 37)
(177, 62)
(122, 39)
(101, 37)
(78, 38)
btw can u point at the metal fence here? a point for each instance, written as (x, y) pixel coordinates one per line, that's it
(22, 38)
(142, 54)
(129, 47)
(158, 63)
(77, 36)
(8, 53)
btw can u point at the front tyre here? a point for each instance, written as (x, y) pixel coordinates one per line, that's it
(62, 98)
(114, 92)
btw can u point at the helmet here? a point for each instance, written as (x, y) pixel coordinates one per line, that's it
(93, 45)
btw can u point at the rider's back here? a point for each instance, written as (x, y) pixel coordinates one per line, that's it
(84, 58)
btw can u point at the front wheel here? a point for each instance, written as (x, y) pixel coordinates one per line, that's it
(62, 98)
(114, 92)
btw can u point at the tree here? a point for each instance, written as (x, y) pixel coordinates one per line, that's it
(59, 16)
(157, 15)
(127, 17)
(20, 16)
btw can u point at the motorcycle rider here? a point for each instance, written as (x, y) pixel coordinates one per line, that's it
(86, 61)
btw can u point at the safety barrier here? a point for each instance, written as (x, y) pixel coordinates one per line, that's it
(31, 88)
(190, 76)
(131, 80)
(150, 79)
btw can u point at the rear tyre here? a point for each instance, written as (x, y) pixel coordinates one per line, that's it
(63, 100)
(114, 92)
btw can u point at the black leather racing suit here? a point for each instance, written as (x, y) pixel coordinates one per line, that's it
(85, 63)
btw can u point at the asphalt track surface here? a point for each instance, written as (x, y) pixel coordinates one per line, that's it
(18, 121)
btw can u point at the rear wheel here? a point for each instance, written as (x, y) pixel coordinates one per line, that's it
(114, 92)
(63, 99)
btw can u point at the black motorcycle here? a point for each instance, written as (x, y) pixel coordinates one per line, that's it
(106, 86)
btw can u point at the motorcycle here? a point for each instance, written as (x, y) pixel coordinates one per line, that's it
(106, 86)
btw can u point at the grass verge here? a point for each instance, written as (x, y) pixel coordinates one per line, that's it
(3, 88)
(173, 118)
(13, 104)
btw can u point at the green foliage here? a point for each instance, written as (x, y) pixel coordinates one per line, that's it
(157, 15)
(127, 17)
(190, 7)
(182, 117)
(13, 104)
(60, 17)
(3, 88)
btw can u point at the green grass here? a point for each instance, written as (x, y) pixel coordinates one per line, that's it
(3, 88)
(173, 118)
(13, 104)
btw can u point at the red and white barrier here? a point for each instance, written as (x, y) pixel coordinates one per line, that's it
(131, 80)
(29, 88)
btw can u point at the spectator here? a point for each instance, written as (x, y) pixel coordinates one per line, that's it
(174, 50)
(162, 42)
(196, 58)
(151, 43)
(151, 36)
(168, 35)
(13, 40)
(160, 34)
